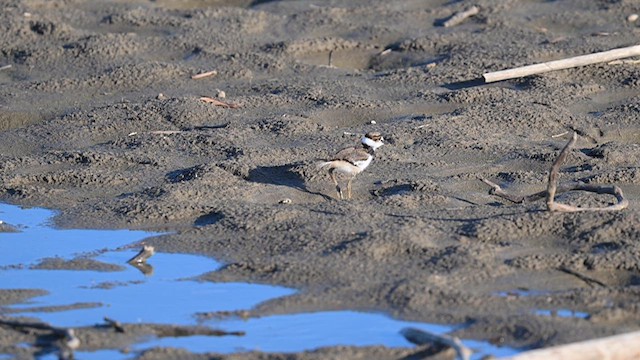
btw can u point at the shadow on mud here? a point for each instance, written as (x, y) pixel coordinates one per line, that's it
(290, 175)
(465, 84)
(283, 175)
(208, 219)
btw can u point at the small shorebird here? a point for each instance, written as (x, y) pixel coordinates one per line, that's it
(352, 161)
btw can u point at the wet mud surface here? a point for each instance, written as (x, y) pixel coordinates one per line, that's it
(100, 118)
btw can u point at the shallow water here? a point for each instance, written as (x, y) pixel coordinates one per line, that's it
(299, 332)
(130, 296)
(562, 313)
(522, 293)
(170, 295)
(37, 239)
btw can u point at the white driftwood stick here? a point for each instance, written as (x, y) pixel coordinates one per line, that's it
(619, 347)
(458, 18)
(204, 74)
(604, 56)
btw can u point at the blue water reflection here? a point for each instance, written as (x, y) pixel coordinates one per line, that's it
(299, 332)
(130, 296)
(170, 295)
(563, 313)
(38, 239)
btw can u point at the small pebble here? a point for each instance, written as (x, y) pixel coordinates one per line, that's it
(632, 17)
(161, 96)
(373, 122)
(221, 94)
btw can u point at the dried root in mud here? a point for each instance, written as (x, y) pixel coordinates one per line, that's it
(588, 280)
(553, 188)
(421, 337)
(116, 325)
(210, 100)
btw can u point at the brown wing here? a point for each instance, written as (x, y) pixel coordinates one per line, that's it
(351, 155)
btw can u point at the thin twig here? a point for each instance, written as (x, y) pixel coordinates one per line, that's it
(5, 67)
(165, 132)
(216, 102)
(497, 190)
(421, 337)
(158, 132)
(560, 135)
(586, 279)
(116, 325)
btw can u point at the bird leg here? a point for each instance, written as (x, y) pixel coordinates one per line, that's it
(335, 181)
(349, 188)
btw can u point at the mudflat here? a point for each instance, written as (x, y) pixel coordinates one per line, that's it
(101, 119)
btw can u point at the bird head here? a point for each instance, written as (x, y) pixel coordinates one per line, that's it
(373, 140)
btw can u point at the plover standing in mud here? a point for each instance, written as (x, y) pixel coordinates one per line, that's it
(352, 161)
